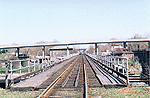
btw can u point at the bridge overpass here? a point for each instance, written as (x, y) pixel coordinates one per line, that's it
(124, 42)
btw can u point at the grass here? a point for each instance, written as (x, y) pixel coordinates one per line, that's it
(18, 94)
(71, 94)
(2, 70)
(130, 63)
(127, 92)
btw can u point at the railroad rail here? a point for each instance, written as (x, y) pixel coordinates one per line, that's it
(106, 75)
(82, 74)
(64, 79)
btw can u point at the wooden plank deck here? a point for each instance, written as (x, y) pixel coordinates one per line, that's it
(34, 82)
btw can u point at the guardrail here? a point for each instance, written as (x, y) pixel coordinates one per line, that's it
(114, 62)
(118, 64)
(28, 68)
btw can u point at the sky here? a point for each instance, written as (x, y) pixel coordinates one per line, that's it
(31, 21)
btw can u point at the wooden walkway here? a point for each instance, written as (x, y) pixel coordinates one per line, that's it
(34, 82)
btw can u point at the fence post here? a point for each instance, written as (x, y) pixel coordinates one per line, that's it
(50, 60)
(127, 72)
(42, 63)
(6, 75)
(11, 70)
(105, 60)
(28, 67)
(114, 60)
(118, 64)
(123, 66)
(111, 62)
(38, 64)
(34, 65)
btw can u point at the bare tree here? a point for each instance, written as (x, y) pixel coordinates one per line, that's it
(103, 48)
(113, 39)
(138, 36)
(138, 46)
(90, 49)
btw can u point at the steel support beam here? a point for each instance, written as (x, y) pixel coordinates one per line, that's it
(17, 52)
(96, 49)
(43, 50)
(124, 45)
(67, 50)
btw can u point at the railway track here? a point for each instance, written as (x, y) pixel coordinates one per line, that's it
(105, 77)
(75, 79)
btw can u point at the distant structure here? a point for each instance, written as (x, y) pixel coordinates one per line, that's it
(59, 50)
(119, 50)
(107, 53)
(81, 50)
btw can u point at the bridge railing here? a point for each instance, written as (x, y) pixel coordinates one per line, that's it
(23, 66)
(115, 62)
(32, 64)
(118, 64)
(16, 70)
(3, 64)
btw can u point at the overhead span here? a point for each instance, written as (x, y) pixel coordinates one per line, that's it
(76, 43)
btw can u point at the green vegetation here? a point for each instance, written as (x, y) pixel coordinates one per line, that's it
(2, 70)
(26, 70)
(127, 92)
(130, 63)
(24, 63)
(18, 94)
(3, 51)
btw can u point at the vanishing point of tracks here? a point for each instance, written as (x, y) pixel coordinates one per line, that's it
(74, 79)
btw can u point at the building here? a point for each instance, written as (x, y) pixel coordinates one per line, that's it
(123, 52)
(107, 53)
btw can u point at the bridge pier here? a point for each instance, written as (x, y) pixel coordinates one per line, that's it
(124, 45)
(67, 50)
(43, 50)
(96, 49)
(17, 52)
